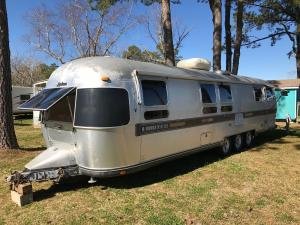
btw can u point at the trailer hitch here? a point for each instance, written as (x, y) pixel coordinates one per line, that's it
(20, 183)
(28, 176)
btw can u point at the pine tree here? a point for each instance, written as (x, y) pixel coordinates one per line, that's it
(281, 18)
(216, 9)
(7, 133)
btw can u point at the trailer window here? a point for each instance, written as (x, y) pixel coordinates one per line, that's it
(258, 94)
(154, 92)
(225, 98)
(102, 107)
(24, 98)
(225, 93)
(269, 93)
(63, 110)
(208, 93)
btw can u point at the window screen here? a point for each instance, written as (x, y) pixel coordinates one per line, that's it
(208, 93)
(258, 94)
(225, 93)
(102, 107)
(154, 92)
(45, 99)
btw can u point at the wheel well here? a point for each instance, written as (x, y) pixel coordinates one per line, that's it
(243, 134)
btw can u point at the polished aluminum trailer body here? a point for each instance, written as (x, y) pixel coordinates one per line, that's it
(151, 132)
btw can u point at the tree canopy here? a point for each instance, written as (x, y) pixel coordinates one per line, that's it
(281, 18)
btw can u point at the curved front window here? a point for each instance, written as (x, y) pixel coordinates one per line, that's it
(101, 107)
(63, 110)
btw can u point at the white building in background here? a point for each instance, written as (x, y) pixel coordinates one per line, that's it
(37, 87)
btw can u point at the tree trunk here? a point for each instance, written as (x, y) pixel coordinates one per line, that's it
(167, 30)
(7, 133)
(228, 35)
(298, 50)
(215, 6)
(238, 37)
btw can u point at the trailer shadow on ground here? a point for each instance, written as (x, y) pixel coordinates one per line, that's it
(157, 173)
(21, 120)
(37, 149)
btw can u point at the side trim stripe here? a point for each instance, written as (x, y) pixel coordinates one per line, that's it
(161, 126)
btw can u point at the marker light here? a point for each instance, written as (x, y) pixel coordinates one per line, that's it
(105, 78)
(123, 172)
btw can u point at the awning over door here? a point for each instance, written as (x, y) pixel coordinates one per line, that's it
(46, 98)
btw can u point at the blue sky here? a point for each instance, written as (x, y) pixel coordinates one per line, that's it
(265, 62)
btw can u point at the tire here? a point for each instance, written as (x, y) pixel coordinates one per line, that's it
(226, 148)
(249, 137)
(238, 142)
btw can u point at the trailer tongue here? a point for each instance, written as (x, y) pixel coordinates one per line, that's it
(58, 160)
(20, 182)
(28, 176)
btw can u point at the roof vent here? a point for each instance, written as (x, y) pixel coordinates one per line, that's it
(194, 63)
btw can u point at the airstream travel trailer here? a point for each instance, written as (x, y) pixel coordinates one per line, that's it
(19, 96)
(104, 116)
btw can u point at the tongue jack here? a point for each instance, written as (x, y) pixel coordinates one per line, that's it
(92, 180)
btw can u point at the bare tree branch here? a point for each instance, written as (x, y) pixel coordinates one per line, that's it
(154, 27)
(75, 30)
(291, 37)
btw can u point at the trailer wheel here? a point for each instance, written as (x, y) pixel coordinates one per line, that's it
(248, 139)
(238, 142)
(226, 147)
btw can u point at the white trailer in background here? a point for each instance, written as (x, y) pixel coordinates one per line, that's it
(19, 96)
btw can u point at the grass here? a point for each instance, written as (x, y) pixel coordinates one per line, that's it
(258, 186)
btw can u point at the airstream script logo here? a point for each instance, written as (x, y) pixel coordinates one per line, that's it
(154, 128)
(59, 84)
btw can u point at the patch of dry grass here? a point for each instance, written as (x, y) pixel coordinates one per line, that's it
(258, 186)
(29, 138)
